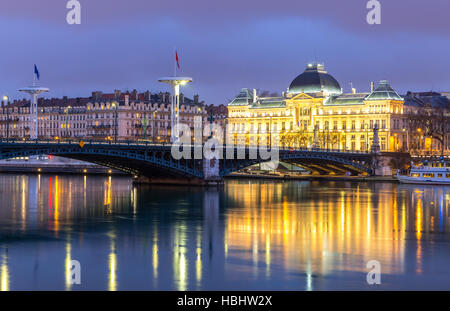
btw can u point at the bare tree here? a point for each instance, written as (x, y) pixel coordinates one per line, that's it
(431, 121)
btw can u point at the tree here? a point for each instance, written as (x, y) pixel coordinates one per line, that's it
(431, 120)
(294, 139)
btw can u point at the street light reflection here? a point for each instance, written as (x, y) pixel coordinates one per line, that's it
(4, 273)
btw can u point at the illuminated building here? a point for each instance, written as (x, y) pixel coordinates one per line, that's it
(116, 116)
(314, 112)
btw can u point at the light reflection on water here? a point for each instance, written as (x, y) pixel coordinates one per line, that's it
(250, 235)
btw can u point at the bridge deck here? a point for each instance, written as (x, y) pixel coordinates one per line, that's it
(156, 159)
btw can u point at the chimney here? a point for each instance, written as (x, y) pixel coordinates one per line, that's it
(134, 95)
(195, 99)
(148, 95)
(254, 95)
(96, 95)
(117, 94)
(371, 86)
(127, 99)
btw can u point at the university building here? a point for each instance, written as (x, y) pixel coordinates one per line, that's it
(314, 112)
(119, 115)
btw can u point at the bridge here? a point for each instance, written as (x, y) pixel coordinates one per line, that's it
(154, 163)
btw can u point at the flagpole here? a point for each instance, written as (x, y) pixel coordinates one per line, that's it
(175, 63)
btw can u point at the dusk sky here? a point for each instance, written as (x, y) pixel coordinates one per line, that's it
(223, 45)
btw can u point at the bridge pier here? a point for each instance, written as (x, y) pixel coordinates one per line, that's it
(385, 164)
(211, 177)
(211, 172)
(381, 165)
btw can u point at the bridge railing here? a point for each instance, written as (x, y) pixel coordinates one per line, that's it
(78, 141)
(149, 143)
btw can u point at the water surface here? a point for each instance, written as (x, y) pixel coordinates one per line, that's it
(248, 235)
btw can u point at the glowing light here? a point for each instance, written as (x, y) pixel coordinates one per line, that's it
(112, 276)
(155, 259)
(108, 195)
(4, 273)
(24, 204)
(68, 262)
(56, 208)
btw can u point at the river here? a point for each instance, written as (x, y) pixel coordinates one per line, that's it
(246, 235)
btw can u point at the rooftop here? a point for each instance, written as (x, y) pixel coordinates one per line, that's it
(315, 79)
(384, 92)
(98, 97)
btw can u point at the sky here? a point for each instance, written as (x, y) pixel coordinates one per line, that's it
(223, 45)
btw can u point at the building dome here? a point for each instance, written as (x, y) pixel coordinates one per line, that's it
(314, 80)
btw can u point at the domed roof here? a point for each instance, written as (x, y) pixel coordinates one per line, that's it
(315, 79)
(384, 92)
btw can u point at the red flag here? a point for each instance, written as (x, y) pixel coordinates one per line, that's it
(176, 58)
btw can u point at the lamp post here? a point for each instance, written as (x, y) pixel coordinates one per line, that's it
(175, 82)
(115, 106)
(67, 120)
(154, 124)
(407, 140)
(419, 130)
(144, 127)
(328, 138)
(34, 91)
(365, 131)
(270, 130)
(6, 100)
(211, 123)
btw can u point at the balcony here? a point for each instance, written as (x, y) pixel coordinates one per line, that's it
(100, 127)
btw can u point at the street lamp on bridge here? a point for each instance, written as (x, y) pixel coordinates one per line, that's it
(34, 91)
(115, 106)
(6, 101)
(175, 82)
(67, 120)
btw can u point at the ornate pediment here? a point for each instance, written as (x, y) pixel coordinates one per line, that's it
(301, 96)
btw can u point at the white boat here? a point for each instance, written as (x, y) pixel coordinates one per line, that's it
(436, 174)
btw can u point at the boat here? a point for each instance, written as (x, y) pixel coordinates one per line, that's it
(434, 174)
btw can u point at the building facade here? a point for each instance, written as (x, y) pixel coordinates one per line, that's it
(116, 116)
(314, 112)
(217, 115)
(428, 123)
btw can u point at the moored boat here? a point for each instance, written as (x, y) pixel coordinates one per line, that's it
(434, 174)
